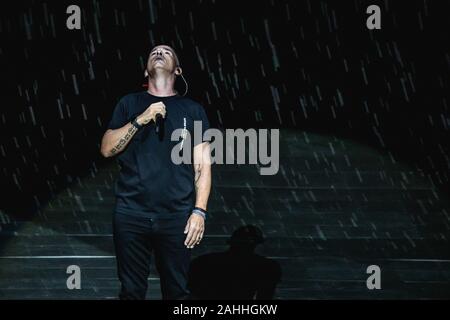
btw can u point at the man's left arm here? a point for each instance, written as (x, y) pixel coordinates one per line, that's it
(195, 226)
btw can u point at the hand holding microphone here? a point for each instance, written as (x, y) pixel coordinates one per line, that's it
(154, 111)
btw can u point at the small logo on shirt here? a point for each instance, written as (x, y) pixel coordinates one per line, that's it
(183, 134)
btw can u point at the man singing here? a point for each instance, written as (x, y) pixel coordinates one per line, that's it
(160, 206)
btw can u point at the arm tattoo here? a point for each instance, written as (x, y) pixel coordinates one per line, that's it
(123, 141)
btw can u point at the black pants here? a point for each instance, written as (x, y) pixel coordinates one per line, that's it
(135, 238)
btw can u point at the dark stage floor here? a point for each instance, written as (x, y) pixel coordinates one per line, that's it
(334, 208)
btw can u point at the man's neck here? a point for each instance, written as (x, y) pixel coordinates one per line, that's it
(161, 85)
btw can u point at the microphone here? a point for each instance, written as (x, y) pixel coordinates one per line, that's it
(159, 125)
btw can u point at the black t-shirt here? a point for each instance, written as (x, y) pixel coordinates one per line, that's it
(149, 182)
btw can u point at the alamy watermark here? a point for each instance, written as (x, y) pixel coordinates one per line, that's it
(74, 280)
(230, 147)
(73, 21)
(374, 280)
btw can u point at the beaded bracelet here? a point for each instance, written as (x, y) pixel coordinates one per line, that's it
(199, 211)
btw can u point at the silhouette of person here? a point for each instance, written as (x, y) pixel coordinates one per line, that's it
(238, 273)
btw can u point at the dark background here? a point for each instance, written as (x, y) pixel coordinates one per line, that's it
(270, 64)
(364, 149)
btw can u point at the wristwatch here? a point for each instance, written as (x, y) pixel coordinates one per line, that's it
(136, 124)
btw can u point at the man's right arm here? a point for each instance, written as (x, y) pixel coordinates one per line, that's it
(115, 140)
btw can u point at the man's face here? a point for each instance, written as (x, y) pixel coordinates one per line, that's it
(161, 57)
